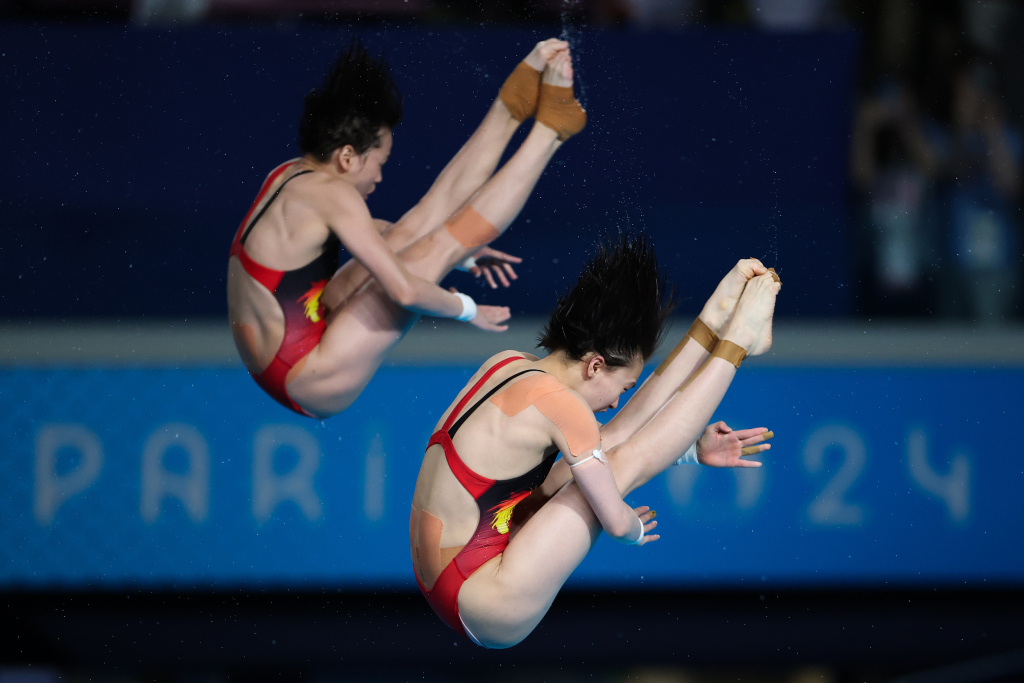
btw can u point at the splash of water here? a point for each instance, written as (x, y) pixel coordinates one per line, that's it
(572, 33)
(772, 257)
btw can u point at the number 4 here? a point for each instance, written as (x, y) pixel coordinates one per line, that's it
(953, 488)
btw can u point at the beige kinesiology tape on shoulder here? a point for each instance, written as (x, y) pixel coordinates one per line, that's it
(556, 403)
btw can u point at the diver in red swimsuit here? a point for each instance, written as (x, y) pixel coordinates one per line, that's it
(297, 292)
(498, 524)
(313, 334)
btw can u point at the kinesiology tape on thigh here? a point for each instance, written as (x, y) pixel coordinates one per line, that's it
(425, 545)
(519, 93)
(700, 333)
(555, 402)
(559, 111)
(470, 229)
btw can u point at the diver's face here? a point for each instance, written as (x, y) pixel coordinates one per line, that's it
(365, 170)
(606, 384)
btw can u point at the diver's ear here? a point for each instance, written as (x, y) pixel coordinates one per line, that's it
(344, 158)
(595, 364)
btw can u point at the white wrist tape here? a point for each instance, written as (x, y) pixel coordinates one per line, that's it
(468, 307)
(689, 457)
(466, 265)
(598, 453)
(642, 532)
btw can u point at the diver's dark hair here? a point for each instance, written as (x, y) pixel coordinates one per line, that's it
(356, 100)
(617, 308)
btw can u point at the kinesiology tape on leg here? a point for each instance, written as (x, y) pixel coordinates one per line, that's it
(727, 350)
(671, 357)
(470, 229)
(519, 93)
(700, 333)
(703, 335)
(559, 111)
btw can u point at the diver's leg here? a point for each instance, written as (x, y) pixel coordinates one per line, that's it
(685, 359)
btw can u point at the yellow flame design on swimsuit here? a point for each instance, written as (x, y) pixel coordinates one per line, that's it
(503, 511)
(312, 299)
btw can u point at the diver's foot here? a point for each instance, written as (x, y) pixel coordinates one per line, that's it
(544, 51)
(557, 108)
(751, 324)
(719, 308)
(521, 90)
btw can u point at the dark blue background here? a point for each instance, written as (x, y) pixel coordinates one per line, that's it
(132, 154)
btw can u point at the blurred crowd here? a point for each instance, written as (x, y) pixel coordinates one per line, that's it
(935, 143)
(935, 162)
(642, 14)
(660, 14)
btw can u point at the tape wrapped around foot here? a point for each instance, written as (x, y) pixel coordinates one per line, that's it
(703, 335)
(559, 111)
(700, 333)
(727, 350)
(520, 91)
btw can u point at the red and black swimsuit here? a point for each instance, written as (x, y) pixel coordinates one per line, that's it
(297, 292)
(495, 499)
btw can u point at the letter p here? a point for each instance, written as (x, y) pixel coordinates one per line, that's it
(52, 489)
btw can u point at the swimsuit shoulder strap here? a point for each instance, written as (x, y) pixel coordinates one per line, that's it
(455, 427)
(270, 201)
(454, 415)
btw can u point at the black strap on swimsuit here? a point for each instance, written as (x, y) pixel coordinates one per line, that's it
(270, 201)
(462, 418)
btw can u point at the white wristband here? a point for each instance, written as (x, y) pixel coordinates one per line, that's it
(468, 308)
(690, 456)
(642, 532)
(467, 264)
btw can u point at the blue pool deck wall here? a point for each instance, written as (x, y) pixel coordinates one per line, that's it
(145, 456)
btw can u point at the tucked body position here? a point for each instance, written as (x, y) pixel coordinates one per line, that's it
(499, 521)
(312, 334)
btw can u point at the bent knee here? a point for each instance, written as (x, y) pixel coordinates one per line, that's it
(502, 631)
(323, 386)
(501, 645)
(627, 468)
